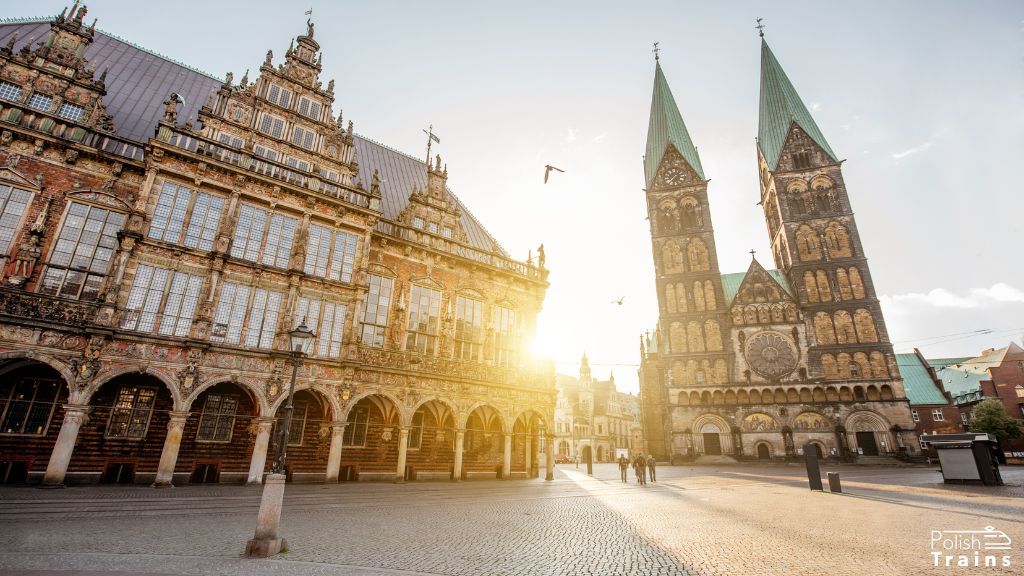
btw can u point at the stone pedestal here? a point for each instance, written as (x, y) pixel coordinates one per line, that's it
(460, 440)
(74, 418)
(267, 540)
(169, 456)
(259, 451)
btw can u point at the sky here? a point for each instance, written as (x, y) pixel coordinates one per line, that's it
(923, 100)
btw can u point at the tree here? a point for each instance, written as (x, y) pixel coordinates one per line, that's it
(990, 416)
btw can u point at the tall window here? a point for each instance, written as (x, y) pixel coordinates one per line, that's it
(162, 300)
(424, 311)
(330, 254)
(129, 418)
(416, 431)
(27, 405)
(83, 251)
(355, 431)
(255, 241)
(230, 314)
(13, 202)
(272, 126)
(327, 321)
(915, 416)
(278, 95)
(218, 418)
(303, 137)
(937, 415)
(505, 336)
(375, 311)
(295, 431)
(468, 329)
(266, 305)
(309, 108)
(187, 217)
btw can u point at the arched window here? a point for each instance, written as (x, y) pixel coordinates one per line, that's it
(824, 333)
(844, 284)
(671, 258)
(856, 284)
(689, 215)
(750, 314)
(712, 335)
(790, 311)
(807, 244)
(670, 298)
(694, 338)
(865, 326)
(764, 314)
(878, 365)
(721, 372)
(844, 327)
(828, 366)
(698, 255)
(677, 337)
(691, 375)
(860, 359)
(777, 315)
(824, 291)
(843, 365)
(681, 297)
(668, 216)
(709, 296)
(838, 240)
(698, 297)
(810, 287)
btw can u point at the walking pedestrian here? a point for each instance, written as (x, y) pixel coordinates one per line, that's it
(639, 464)
(577, 459)
(623, 466)
(651, 465)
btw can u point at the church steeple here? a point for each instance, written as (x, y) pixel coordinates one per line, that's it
(781, 108)
(667, 127)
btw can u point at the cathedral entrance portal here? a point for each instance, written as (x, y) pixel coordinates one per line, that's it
(763, 453)
(866, 442)
(712, 444)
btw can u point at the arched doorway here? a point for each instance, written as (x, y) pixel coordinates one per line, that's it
(483, 448)
(585, 454)
(871, 433)
(600, 454)
(712, 436)
(217, 445)
(431, 454)
(309, 437)
(31, 411)
(763, 452)
(563, 448)
(370, 443)
(817, 450)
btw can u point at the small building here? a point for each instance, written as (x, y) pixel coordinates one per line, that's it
(593, 415)
(931, 406)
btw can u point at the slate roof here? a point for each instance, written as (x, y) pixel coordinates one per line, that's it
(966, 375)
(781, 106)
(731, 283)
(667, 127)
(139, 80)
(920, 387)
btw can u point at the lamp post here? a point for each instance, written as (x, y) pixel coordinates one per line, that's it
(266, 542)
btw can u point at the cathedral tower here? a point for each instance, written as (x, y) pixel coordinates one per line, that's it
(814, 237)
(691, 315)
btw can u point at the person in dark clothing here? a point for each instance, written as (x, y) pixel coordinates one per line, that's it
(623, 466)
(639, 465)
(651, 465)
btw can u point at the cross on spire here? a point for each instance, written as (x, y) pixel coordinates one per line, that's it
(760, 27)
(753, 253)
(656, 50)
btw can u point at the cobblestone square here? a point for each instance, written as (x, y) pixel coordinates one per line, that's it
(694, 520)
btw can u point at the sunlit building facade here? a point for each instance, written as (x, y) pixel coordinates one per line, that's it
(593, 416)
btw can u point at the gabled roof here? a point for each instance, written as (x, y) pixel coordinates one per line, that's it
(781, 106)
(732, 282)
(920, 387)
(667, 127)
(139, 80)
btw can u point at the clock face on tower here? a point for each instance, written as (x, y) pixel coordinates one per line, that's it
(771, 354)
(674, 176)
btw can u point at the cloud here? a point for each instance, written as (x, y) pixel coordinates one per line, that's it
(998, 293)
(912, 151)
(571, 136)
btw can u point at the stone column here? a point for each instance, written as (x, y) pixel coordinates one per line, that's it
(549, 458)
(506, 465)
(169, 456)
(460, 439)
(529, 454)
(259, 450)
(334, 456)
(403, 447)
(75, 416)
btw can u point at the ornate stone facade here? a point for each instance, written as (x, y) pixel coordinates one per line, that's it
(152, 269)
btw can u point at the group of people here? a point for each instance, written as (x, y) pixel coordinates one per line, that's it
(644, 468)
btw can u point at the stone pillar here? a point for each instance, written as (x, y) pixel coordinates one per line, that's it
(403, 447)
(266, 541)
(460, 439)
(259, 450)
(506, 465)
(169, 456)
(334, 456)
(75, 416)
(529, 455)
(549, 457)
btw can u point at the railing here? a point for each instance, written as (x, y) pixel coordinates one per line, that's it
(31, 306)
(47, 123)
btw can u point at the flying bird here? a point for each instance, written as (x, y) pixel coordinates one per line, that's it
(619, 301)
(547, 171)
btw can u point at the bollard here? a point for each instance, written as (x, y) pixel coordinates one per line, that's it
(833, 483)
(813, 471)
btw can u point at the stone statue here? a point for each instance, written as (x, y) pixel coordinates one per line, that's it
(540, 256)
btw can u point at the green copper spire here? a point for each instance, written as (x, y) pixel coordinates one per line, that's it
(667, 128)
(780, 108)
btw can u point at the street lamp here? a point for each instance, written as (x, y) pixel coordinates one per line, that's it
(267, 542)
(301, 342)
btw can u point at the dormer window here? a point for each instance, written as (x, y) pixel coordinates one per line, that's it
(278, 95)
(309, 108)
(11, 92)
(40, 102)
(71, 112)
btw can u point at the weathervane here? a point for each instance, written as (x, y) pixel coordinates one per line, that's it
(430, 139)
(760, 27)
(656, 50)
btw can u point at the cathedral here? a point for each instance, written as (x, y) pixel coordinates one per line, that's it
(761, 363)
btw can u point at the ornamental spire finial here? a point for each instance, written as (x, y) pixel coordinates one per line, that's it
(656, 50)
(760, 27)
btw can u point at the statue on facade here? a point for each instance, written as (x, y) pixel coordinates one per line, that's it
(541, 258)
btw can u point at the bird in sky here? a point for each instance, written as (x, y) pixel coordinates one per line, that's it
(619, 301)
(547, 171)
